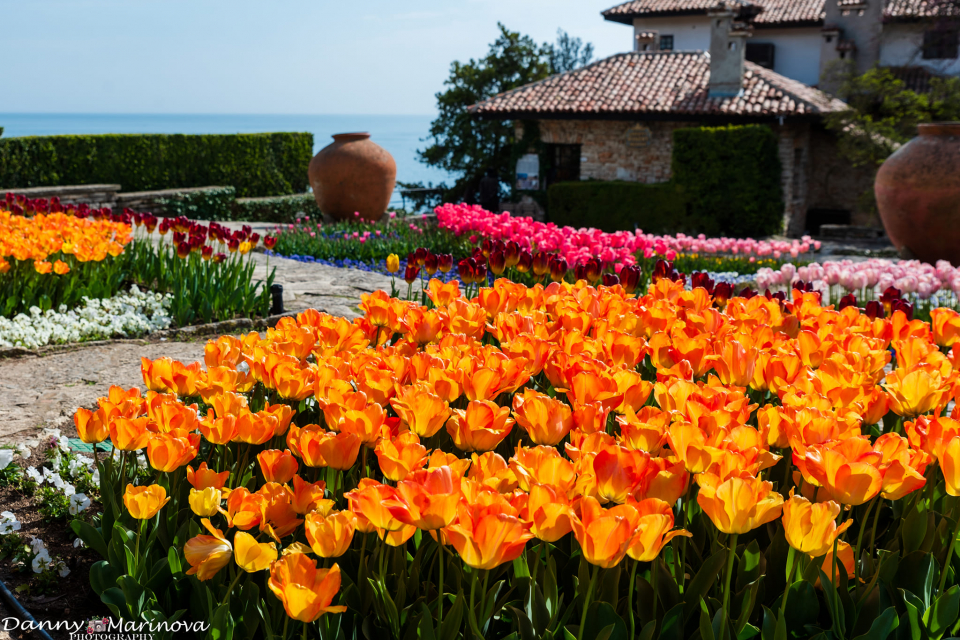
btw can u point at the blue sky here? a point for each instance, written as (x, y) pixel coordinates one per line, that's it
(264, 56)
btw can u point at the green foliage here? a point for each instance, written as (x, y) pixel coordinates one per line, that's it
(54, 504)
(885, 114)
(207, 204)
(616, 206)
(730, 177)
(464, 145)
(261, 164)
(568, 53)
(280, 209)
(11, 475)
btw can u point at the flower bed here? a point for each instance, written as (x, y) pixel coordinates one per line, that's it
(562, 461)
(53, 256)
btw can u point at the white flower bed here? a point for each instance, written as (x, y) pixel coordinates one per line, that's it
(127, 314)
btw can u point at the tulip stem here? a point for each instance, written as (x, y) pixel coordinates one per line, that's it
(136, 553)
(123, 469)
(946, 566)
(633, 580)
(586, 602)
(440, 589)
(856, 563)
(654, 578)
(873, 529)
(732, 554)
(304, 635)
(230, 590)
(473, 612)
(791, 570)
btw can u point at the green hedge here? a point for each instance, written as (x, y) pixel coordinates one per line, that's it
(282, 209)
(255, 164)
(209, 204)
(616, 206)
(731, 178)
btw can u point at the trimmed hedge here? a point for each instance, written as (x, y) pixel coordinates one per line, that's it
(616, 206)
(281, 209)
(209, 204)
(255, 164)
(731, 178)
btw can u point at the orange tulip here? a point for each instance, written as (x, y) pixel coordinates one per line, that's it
(279, 518)
(693, 446)
(549, 512)
(207, 554)
(481, 427)
(812, 528)
(371, 500)
(284, 414)
(307, 496)
(92, 426)
(306, 592)
(169, 376)
(849, 469)
(542, 465)
(428, 499)
(144, 502)
(487, 536)
(401, 456)
(913, 393)
(129, 435)
(330, 536)
(204, 477)
(277, 466)
(335, 450)
(735, 364)
(244, 509)
(739, 504)
(619, 472)
(604, 535)
(491, 470)
(255, 428)
(423, 411)
(167, 452)
(949, 457)
(252, 556)
(218, 430)
(946, 326)
(365, 424)
(652, 529)
(546, 420)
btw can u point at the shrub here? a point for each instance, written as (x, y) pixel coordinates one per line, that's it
(617, 206)
(208, 204)
(279, 209)
(256, 164)
(731, 178)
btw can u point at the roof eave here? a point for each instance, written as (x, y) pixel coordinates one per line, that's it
(627, 18)
(633, 116)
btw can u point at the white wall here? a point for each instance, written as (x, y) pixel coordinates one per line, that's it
(797, 53)
(902, 46)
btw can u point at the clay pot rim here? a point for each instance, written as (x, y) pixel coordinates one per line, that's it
(939, 129)
(351, 137)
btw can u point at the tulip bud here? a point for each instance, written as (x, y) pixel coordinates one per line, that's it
(630, 278)
(610, 279)
(512, 253)
(444, 262)
(541, 264)
(524, 262)
(558, 269)
(431, 264)
(498, 262)
(411, 273)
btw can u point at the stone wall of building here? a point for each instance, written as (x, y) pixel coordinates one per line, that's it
(794, 151)
(835, 184)
(617, 150)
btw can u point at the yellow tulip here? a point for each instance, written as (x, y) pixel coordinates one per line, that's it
(252, 556)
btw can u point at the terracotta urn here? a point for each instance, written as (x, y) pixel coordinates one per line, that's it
(354, 174)
(918, 193)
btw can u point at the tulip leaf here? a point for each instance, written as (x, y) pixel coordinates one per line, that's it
(803, 605)
(913, 614)
(173, 560)
(116, 601)
(748, 570)
(667, 590)
(248, 621)
(672, 627)
(915, 528)
(648, 630)
(160, 575)
(702, 582)
(832, 599)
(425, 628)
(882, 626)
(538, 613)
(941, 616)
(103, 576)
(90, 536)
(609, 587)
(749, 631)
(770, 626)
(917, 574)
(134, 594)
(706, 629)
(450, 629)
(600, 616)
(523, 624)
(221, 626)
(748, 599)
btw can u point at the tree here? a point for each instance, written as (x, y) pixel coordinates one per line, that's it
(884, 114)
(467, 146)
(570, 53)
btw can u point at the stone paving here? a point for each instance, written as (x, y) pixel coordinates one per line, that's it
(44, 391)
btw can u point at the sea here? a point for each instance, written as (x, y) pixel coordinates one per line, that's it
(401, 135)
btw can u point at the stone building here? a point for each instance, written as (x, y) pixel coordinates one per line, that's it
(614, 120)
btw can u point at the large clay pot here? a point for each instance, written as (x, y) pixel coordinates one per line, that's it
(918, 193)
(354, 174)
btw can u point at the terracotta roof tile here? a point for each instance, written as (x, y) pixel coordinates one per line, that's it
(779, 12)
(651, 83)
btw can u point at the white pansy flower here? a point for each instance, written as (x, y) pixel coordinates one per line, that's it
(63, 570)
(78, 502)
(78, 544)
(95, 479)
(34, 475)
(41, 561)
(24, 451)
(37, 545)
(6, 458)
(8, 523)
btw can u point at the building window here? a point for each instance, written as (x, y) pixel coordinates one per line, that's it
(940, 44)
(564, 162)
(761, 53)
(666, 43)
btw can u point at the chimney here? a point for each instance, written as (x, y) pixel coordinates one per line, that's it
(728, 45)
(851, 39)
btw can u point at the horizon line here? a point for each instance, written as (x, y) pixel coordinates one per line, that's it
(186, 113)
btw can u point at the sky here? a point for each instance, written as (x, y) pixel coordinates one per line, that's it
(263, 56)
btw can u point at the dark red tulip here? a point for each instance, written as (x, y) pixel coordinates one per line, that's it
(412, 272)
(498, 262)
(558, 269)
(444, 262)
(874, 310)
(541, 264)
(524, 262)
(630, 278)
(848, 300)
(722, 292)
(610, 279)
(511, 252)
(430, 264)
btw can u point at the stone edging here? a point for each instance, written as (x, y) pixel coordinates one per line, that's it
(182, 333)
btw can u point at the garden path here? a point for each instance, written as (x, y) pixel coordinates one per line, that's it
(44, 391)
